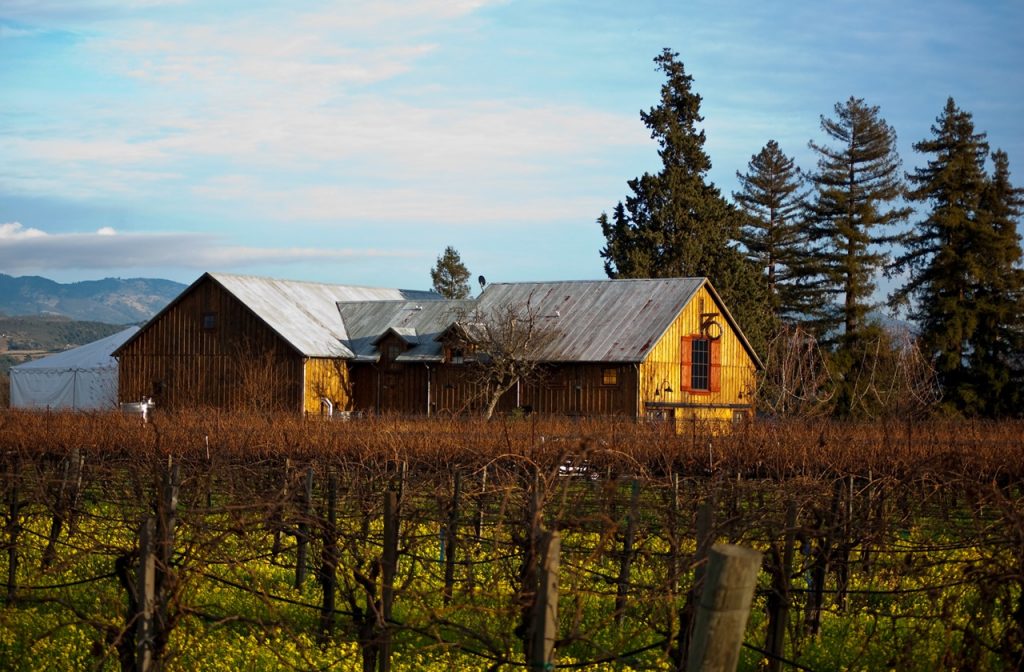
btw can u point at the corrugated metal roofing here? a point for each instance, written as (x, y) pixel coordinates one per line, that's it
(305, 314)
(418, 323)
(597, 320)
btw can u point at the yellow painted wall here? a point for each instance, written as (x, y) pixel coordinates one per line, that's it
(326, 377)
(663, 367)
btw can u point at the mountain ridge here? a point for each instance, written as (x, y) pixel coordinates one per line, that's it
(110, 300)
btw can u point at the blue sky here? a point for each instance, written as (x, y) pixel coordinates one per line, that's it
(352, 141)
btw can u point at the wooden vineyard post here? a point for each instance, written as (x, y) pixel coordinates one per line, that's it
(846, 543)
(705, 524)
(277, 514)
(528, 570)
(821, 564)
(13, 528)
(673, 572)
(779, 598)
(302, 533)
(328, 568)
(545, 622)
(389, 568)
(723, 608)
(403, 474)
(626, 561)
(672, 561)
(450, 530)
(145, 591)
(480, 504)
(77, 469)
(167, 509)
(60, 511)
(209, 472)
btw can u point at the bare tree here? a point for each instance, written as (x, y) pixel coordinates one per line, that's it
(796, 379)
(503, 344)
(892, 378)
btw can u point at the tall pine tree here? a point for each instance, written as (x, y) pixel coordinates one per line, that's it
(965, 286)
(450, 276)
(996, 357)
(851, 216)
(945, 252)
(676, 223)
(771, 202)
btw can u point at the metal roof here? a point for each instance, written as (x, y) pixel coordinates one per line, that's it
(597, 320)
(591, 320)
(418, 323)
(305, 314)
(88, 357)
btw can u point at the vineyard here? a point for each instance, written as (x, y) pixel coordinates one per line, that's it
(214, 541)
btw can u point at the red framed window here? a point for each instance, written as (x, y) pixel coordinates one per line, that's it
(701, 364)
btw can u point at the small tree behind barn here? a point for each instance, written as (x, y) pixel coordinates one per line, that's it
(449, 276)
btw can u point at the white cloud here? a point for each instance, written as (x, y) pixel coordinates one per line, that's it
(290, 103)
(27, 249)
(14, 231)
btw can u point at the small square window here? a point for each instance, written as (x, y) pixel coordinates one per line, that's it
(209, 321)
(609, 376)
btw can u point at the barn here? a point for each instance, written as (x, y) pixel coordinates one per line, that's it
(241, 341)
(661, 348)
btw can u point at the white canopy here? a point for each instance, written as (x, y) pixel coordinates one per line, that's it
(84, 378)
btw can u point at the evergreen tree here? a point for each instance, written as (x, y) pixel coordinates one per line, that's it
(965, 286)
(945, 252)
(771, 202)
(677, 224)
(850, 215)
(996, 358)
(450, 276)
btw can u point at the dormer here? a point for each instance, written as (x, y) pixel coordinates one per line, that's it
(393, 343)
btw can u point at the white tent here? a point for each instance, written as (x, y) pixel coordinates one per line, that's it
(81, 379)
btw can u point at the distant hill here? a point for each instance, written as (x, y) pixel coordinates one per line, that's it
(26, 337)
(49, 333)
(111, 300)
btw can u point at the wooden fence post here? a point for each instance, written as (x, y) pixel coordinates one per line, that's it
(705, 536)
(480, 504)
(60, 512)
(167, 509)
(626, 561)
(389, 568)
(779, 598)
(302, 533)
(77, 470)
(821, 564)
(723, 608)
(450, 530)
(528, 569)
(329, 563)
(145, 591)
(13, 528)
(277, 513)
(545, 625)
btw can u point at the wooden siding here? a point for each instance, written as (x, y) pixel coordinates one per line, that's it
(562, 390)
(327, 377)
(238, 362)
(662, 387)
(579, 389)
